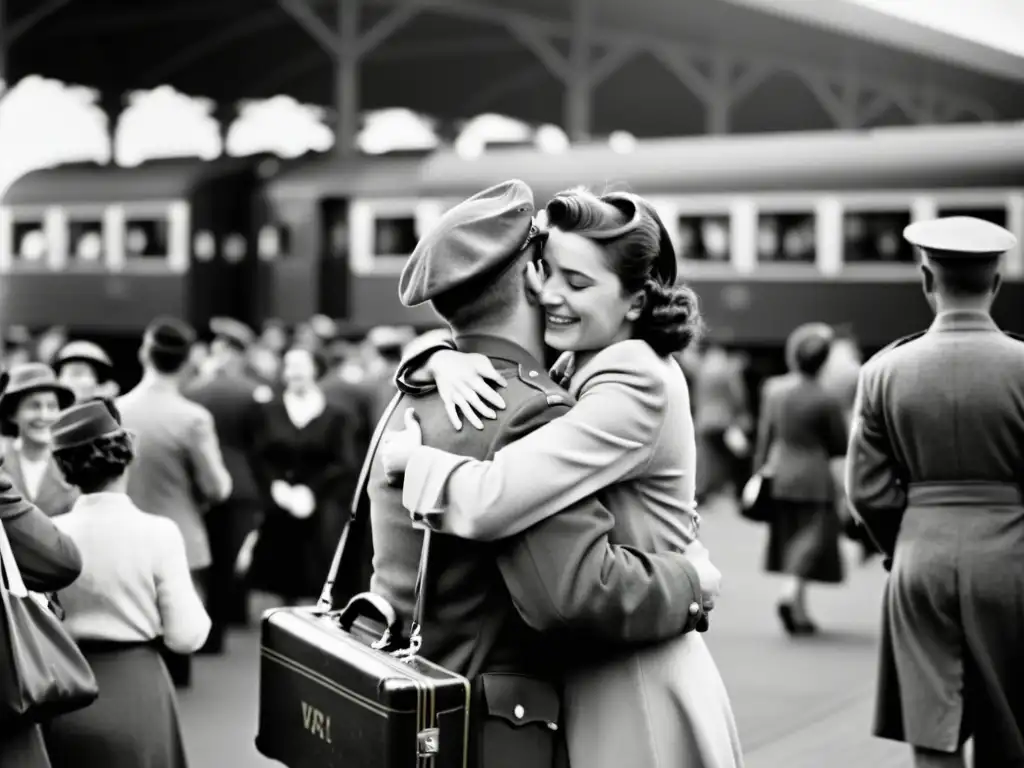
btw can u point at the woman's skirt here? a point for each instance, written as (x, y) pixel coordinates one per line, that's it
(803, 541)
(133, 723)
(659, 707)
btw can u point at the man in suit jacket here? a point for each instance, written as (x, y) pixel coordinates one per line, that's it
(178, 469)
(511, 614)
(935, 472)
(229, 394)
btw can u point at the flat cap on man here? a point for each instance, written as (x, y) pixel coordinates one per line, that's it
(477, 236)
(233, 331)
(168, 334)
(958, 237)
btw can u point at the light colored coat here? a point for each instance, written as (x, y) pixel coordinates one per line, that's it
(178, 468)
(55, 496)
(630, 437)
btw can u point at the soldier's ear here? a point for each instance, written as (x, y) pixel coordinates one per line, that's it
(929, 279)
(997, 282)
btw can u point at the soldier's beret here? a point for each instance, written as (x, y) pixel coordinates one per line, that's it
(477, 236)
(233, 331)
(83, 351)
(168, 334)
(959, 237)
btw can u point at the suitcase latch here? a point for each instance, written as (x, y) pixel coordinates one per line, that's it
(428, 742)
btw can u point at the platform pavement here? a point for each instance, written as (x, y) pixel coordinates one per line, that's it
(798, 704)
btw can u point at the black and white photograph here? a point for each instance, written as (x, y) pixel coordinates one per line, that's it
(512, 384)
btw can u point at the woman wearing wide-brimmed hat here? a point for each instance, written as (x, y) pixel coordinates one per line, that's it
(28, 409)
(135, 595)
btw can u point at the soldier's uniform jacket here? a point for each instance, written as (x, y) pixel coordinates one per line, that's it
(489, 602)
(935, 471)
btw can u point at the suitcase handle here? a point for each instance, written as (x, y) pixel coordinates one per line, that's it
(368, 601)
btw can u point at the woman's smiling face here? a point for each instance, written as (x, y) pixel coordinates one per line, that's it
(584, 306)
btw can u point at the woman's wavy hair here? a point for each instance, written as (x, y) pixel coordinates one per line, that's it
(92, 466)
(641, 254)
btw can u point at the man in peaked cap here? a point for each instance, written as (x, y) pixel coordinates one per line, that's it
(231, 397)
(935, 472)
(179, 471)
(507, 602)
(86, 369)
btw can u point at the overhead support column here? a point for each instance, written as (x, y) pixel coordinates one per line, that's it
(578, 89)
(346, 77)
(579, 72)
(347, 47)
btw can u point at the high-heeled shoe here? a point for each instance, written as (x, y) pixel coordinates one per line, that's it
(787, 617)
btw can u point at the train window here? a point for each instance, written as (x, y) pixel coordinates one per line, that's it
(394, 235)
(876, 237)
(204, 246)
(994, 214)
(30, 243)
(234, 248)
(786, 238)
(273, 241)
(146, 238)
(703, 238)
(85, 237)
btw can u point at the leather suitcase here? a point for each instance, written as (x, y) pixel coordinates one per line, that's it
(338, 701)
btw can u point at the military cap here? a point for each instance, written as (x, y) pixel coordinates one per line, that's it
(168, 334)
(86, 422)
(85, 352)
(960, 237)
(233, 331)
(477, 236)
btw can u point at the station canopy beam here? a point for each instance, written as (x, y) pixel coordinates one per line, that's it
(346, 45)
(9, 34)
(719, 75)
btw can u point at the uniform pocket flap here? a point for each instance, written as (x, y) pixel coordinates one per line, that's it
(521, 700)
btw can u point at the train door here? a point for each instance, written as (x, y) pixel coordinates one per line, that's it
(334, 272)
(223, 274)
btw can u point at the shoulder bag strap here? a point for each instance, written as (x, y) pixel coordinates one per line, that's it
(325, 603)
(15, 584)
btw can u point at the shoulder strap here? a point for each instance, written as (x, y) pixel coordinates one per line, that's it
(901, 341)
(326, 600)
(1014, 336)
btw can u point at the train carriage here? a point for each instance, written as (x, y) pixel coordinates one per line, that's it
(103, 249)
(772, 230)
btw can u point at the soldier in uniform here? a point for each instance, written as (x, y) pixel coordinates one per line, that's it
(511, 614)
(935, 470)
(85, 369)
(230, 395)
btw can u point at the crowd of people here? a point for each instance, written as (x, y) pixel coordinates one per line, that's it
(149, 515)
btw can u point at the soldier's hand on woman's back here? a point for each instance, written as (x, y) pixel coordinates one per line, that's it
(466, 383)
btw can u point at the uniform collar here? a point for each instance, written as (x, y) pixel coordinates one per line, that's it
(963, 320)
(494, 346)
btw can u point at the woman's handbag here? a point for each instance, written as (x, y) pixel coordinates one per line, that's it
(756, 500)
(42, 672)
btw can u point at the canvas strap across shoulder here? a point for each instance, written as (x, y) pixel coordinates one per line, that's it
(325, 603)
